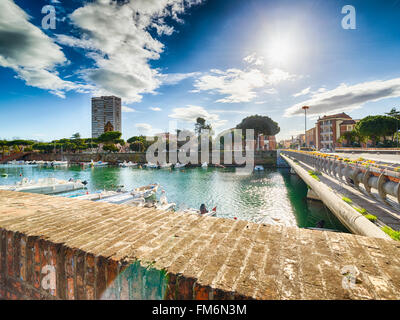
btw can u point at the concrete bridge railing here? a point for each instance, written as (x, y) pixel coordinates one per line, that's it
(385, 180)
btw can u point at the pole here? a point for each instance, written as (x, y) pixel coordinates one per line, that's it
(305, 123)
(305, 126)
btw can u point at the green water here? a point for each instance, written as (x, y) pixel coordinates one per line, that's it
(273, 196)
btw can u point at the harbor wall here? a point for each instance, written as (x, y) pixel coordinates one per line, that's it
(266, 158)
(61, 248)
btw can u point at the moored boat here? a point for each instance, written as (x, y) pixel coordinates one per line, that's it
(127, 164)
(45, 186)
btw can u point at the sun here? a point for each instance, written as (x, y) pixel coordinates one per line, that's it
(280, 51)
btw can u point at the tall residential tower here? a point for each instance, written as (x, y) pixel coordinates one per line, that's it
(106, 115)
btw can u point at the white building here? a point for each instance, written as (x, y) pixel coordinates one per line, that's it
(106, 115)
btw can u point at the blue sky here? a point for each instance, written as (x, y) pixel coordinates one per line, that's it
(175, 60)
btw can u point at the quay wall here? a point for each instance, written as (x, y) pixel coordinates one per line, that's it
(60, 248)
(266, 158)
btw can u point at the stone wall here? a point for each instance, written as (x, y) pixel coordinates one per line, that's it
(267, 158)
(106, 251)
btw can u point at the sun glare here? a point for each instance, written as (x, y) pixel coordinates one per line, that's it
(279, 51)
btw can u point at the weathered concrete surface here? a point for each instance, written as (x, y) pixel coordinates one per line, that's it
(191, 257)
(353, 220)
(387, 214)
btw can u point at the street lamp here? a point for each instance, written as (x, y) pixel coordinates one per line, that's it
(305, 108)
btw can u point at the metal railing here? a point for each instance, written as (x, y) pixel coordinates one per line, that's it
(383, 178)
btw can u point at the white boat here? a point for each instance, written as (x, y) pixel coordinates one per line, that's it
(59, 163)
(96, 196)
(165, 165)
(204, 165)
(121, 198)
(98, 164)
(135, 196)
(127, 164)
(179, 165)
(145, 191)
(45, 186)
(258, 168)
(151, 165)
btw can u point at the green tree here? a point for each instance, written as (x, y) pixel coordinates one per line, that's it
(377, 127)
(109, 139)
(76, 136)
(260, 124)
(201, 125)
(395, 114)
(137, 146)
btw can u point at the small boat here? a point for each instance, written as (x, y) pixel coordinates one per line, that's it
(121, 198)
(98, 164)
(179, 165)
(151, 165)
(45, 186)
(96, 196)
(4, 175)
(165, 165)
(137, 196)
(59, 163)
(127, 164)
(145, 191)
(204, 165)
(220, 166)
(258, 168)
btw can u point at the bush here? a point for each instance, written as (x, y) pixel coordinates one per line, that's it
(362, 211)
(395, 235)
(347, 200)
(111, 148)
(371, 217)
(314, 174)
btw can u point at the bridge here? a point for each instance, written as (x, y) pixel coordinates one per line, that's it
(60, 248)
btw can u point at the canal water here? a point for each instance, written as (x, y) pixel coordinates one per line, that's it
(274, 196)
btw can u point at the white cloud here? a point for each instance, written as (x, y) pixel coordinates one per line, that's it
(174, 78)
(31, 53)
(127, 109)
(302, 92)
(119, 40)
(191, 113)
(155, 109)
(254, 59)
(144, 128)
(240, 85)
(347, 98)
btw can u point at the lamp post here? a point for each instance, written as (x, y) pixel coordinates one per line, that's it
(305, 108)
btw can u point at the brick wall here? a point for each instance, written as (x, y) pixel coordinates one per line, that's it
(106, 251)
(28, 263)
(261, 157)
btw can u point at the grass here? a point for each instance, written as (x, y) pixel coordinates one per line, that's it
(347, 200)
(371, 217)
(395, 235)
(314, 174)
(362, 211)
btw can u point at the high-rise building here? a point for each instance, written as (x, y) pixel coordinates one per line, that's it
(106, 115)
